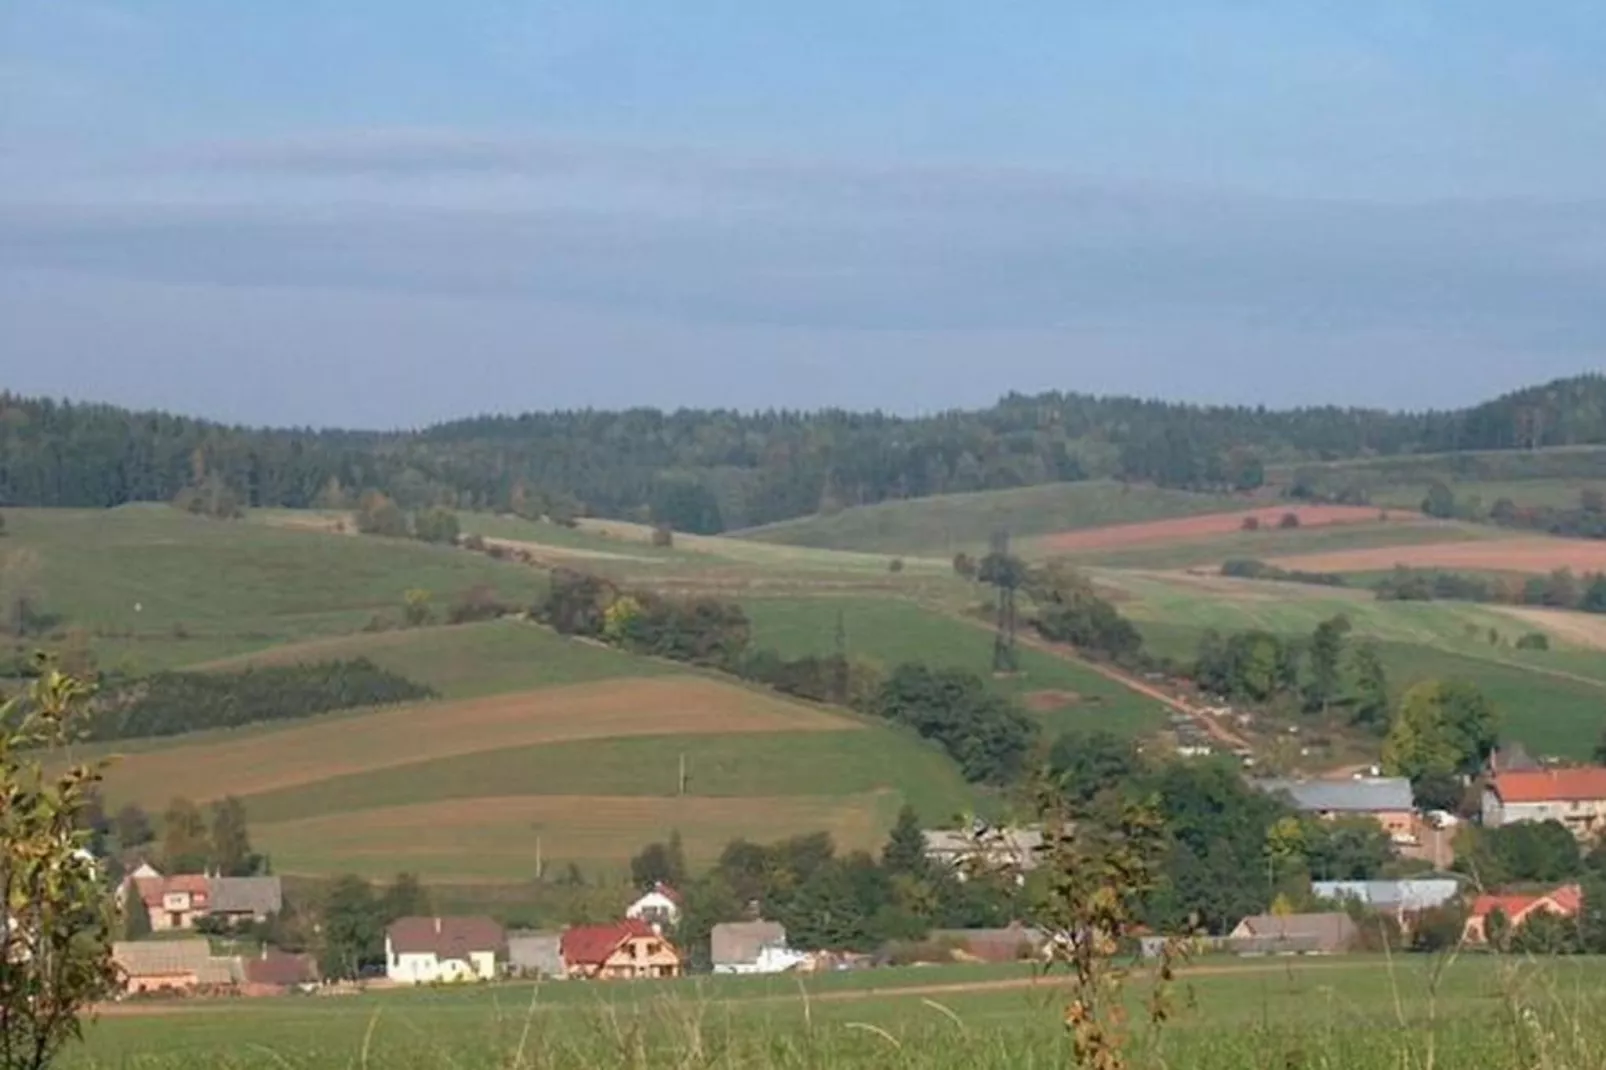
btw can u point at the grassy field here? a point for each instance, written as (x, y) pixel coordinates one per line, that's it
(1528, 477)
(540, 738)
(158, 588)
(1554, 701)
(1356, 1013)
(890, 632)
(942, 525)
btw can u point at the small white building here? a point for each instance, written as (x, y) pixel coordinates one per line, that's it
(659, 907)
(752, 947)
(421, 951)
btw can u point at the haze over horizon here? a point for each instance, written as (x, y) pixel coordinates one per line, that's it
(393, 214)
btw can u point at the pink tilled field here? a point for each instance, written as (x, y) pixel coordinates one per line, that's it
(1209, 526)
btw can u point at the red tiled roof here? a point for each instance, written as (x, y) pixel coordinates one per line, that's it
(590, 945)
(151, 889)
(1541, 785)
(1567, 900)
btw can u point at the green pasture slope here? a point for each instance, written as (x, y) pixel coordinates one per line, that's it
(1355, 1013)
(158, 588)
(1552, 476)
(1554, 701)
(890, 631)
(943, 525)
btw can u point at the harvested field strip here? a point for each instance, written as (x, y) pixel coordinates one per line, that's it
(496, 838)
(342, 746)
(1527, 554)
(752, 764)
(1580, 629)
(1184, 529)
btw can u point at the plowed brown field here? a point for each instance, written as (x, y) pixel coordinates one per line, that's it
(1211, 525)
(1532, 555)
(272, 760)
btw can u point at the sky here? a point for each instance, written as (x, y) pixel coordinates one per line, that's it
(383, 213)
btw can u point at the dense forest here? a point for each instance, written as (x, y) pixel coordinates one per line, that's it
(707, 471)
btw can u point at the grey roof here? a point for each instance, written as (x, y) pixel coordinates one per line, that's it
(174, 958)
(246, 895)
(534, 951)
(1359, 795)
(446, 937)
(1391, 895)
(735, 942)
(1331, 931)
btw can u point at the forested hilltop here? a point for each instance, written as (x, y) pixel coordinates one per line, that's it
(712, 470)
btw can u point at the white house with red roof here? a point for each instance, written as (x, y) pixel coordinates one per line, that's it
(658, 907)
(1574, 797)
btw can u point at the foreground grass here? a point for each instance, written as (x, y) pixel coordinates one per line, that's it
(1342, 1013)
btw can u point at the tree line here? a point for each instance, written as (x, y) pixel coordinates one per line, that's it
(1585, 520)
(986, 733)
(170, 703)
(711, 470)
(1561, 589)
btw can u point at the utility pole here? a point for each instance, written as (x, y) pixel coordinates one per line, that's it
(681, 789)
(841, 657)
(1004, 572)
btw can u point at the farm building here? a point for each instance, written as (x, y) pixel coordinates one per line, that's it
(1385, 799)
(752, 947)
(1574, 797)
(1293, 934)
(188, 965)
(178, 902)
(427, 950)
(532, 953)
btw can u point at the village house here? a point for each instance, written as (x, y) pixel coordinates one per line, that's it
(435, 950)
(1564, 902)
(752, 947)
(176, 903)
(1574, 797)
(623, 950)
(173, 967)
(1387, 800)
(1293, 934)
(658, 907)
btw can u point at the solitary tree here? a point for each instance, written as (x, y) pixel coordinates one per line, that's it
(231, 839)
(55, 944)
(405, 898)
(905, 851)
(186, 847)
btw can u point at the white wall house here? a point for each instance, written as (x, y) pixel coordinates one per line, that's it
(659, 907)
(420, 951)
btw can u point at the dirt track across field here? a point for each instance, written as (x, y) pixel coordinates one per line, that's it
(1208, 526)
(1579, 629)
(1537, 554)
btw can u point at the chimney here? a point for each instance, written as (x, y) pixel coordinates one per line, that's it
(437, 925)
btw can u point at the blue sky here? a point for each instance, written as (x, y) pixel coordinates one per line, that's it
(385, 213)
